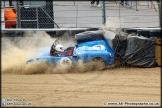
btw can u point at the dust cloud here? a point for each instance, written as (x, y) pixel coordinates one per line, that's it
(15, 51)
(112, 24)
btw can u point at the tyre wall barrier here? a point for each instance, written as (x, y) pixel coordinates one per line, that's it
(146, 32)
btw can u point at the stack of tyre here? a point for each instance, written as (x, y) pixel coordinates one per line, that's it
(141, 44)
(134, 47)
(146, 32)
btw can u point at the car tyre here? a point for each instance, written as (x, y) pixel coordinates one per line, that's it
(73, 32)
(89, 36)
(130, 31)
(145, 33)
(155, 33)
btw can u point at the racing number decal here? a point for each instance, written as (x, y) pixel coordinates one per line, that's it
(65, 61)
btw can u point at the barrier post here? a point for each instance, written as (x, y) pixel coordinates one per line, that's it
(2, 19)
(18, 19)
(159, 8)
(103, 13)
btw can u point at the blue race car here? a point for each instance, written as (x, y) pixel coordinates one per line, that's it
(91, 46)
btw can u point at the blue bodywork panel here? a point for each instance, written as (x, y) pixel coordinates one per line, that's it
(85, 51)
(89, 50)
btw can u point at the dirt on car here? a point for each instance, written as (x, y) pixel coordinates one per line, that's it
(40, 85)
